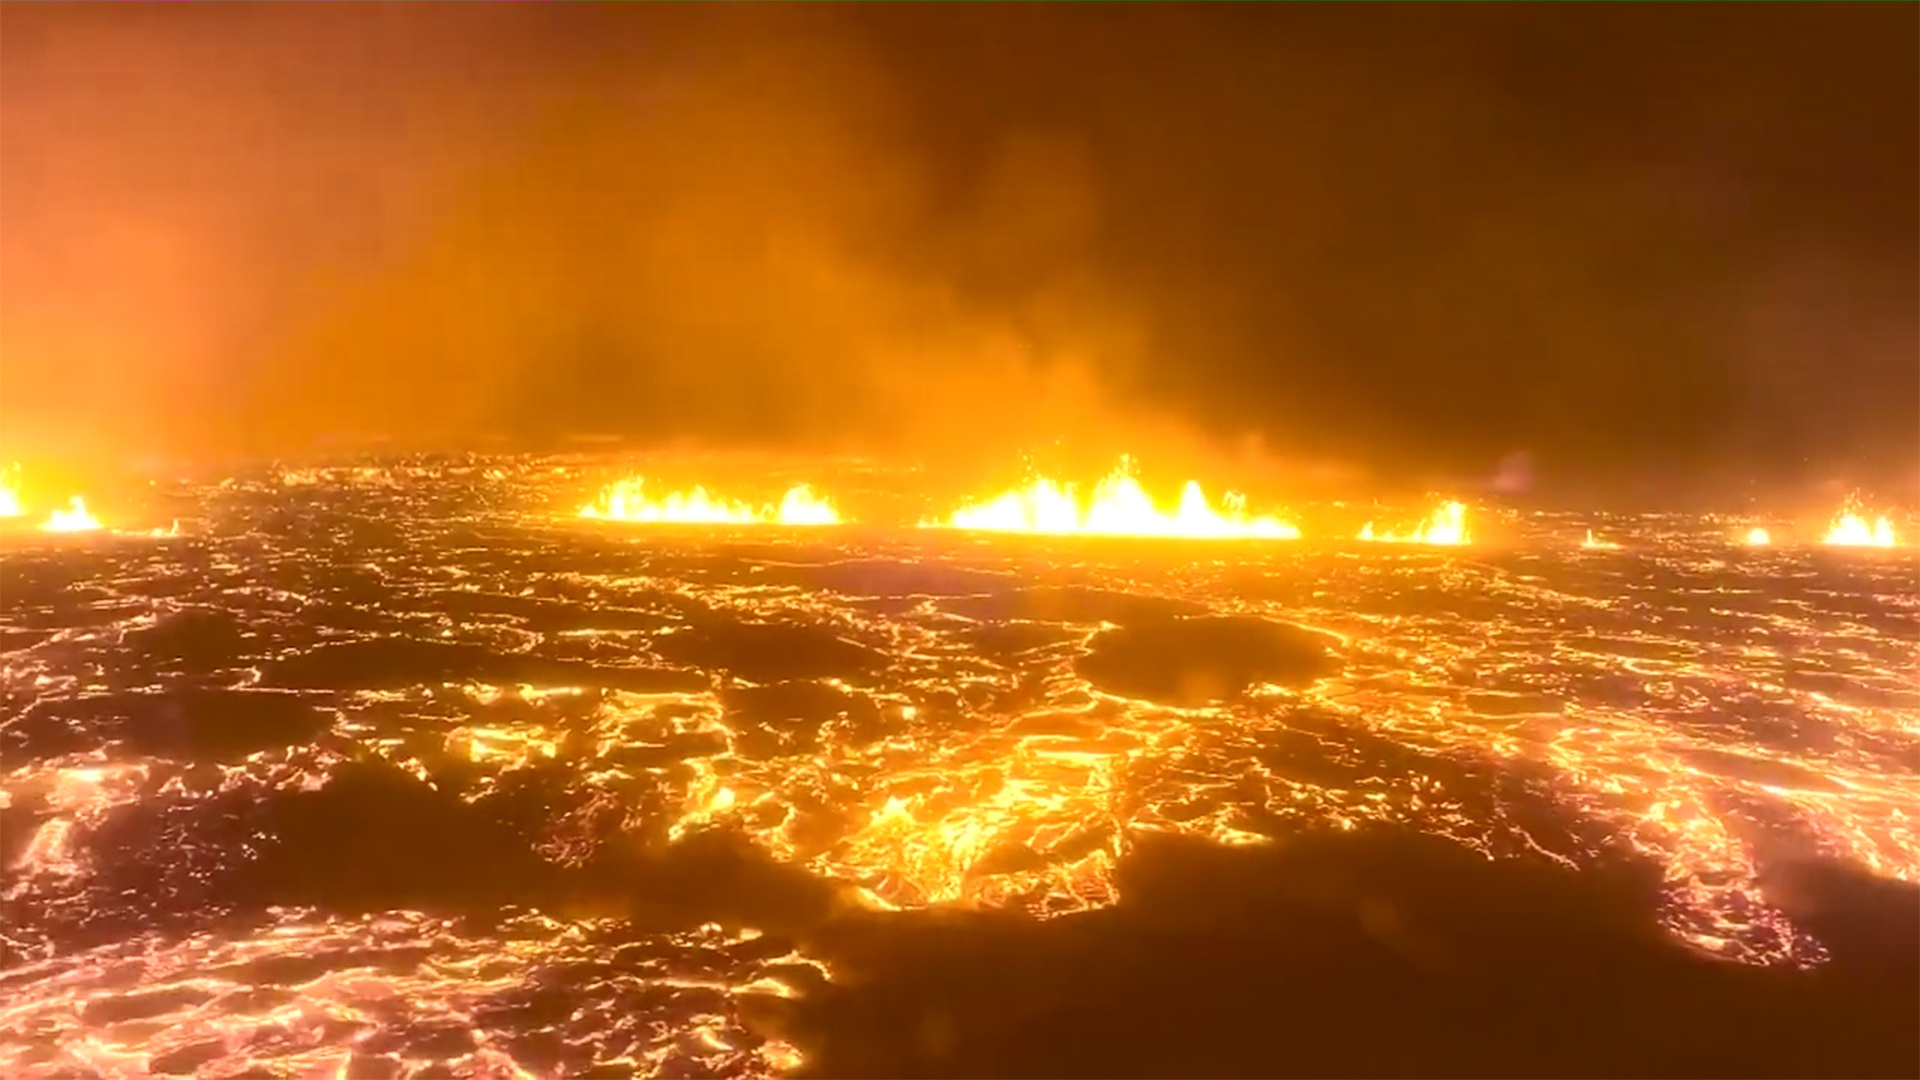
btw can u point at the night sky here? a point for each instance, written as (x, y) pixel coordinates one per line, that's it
(1628, 243)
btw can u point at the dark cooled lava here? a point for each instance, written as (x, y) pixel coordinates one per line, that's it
(398, 770)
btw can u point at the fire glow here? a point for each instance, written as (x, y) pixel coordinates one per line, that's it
(1445, 526)
(626, 501)
(1117, 506)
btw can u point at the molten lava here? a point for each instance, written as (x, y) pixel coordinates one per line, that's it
(626, 501)
(1595, 543)
(1850, 529)
(1759, 537)
(893, 726)
(1447, 525)
(1117, 506)
(74, 518)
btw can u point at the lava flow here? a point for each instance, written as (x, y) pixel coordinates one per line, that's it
(626, 501)
(1850, 529)
(1447, 526)
(73, 518)
(1117, 506)
(607, 812)
(1594, 543)
(1758, 537)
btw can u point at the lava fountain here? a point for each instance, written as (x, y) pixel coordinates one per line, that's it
(626, 500)
(1117, 506)
(1850, 529)
(73, 518)
(1447, 526)
(10, 506)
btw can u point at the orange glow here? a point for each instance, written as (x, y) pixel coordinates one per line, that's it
(1850, 529)
(1759, 537)
(1597, 544)
(625, 501)
(74, 518)
(1447, 525)
(1117, 506)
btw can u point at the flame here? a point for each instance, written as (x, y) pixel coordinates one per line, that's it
(10, 493)
(1759, 537)
(1596, 543)
(1118, 506)
(74, 518)
(625, 501)
(1447, 525)
(1850, 529)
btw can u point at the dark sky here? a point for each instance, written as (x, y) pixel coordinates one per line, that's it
(1629, 241)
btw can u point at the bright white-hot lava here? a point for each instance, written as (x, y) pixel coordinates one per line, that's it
(1117, 506)
(626, 500)
(1447, 526)
(73, 518)
(1758, 537)
(1850, 528)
